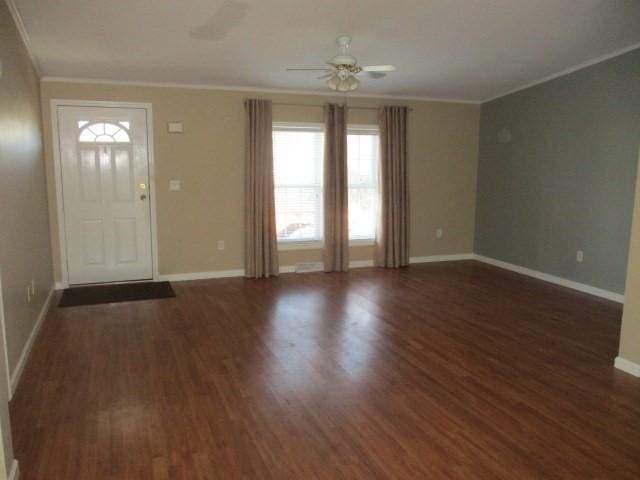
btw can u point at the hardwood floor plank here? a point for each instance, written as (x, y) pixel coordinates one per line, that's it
(445, 371)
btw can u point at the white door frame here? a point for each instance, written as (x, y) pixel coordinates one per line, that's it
(55, 133)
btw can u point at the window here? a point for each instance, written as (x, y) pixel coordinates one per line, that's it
(297, 165)
(298, 171)
(363, 163)
(103, 132)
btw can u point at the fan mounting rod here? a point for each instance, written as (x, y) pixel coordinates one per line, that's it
(343, 59)
(344, 42)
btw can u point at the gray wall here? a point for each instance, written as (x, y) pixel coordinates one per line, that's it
(565, 181)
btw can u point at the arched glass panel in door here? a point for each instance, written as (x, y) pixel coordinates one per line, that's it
(104, 132)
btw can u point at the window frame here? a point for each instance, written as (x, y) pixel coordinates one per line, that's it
(371, 129)
(311, 244)
(315, 244)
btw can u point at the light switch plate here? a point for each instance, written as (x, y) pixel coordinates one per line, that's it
(175, 127)
(175, 185)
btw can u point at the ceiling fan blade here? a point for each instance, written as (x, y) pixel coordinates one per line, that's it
(376, 75)
(308, 69)
(379, 68)
(321, 77)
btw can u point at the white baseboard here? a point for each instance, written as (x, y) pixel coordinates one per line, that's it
(616, 297)
(370, 263)
(319, 266)
(179, 277)
(14, 473)
(582, 287)
(442, 258)
(14, 378)
(627, 366)
(361, 264)
(304, 267)
(61, 286)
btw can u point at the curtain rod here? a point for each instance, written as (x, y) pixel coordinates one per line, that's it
(283, 104)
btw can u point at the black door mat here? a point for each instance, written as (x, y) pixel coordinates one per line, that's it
(121, 292)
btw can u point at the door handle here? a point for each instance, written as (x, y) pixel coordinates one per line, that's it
(143, 196)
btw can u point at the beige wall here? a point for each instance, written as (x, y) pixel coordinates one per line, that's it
(24, 224)
(630, 332)
(208, 159)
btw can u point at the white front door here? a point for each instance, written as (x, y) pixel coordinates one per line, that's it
(105, 190)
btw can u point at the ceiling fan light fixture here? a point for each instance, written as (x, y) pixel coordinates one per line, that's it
(343, 87)
(342, 69)
(339, 84)
(333, 82)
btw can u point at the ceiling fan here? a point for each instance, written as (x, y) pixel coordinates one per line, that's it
(343, 69)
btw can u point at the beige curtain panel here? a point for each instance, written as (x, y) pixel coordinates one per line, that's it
(336, 190)
(392, 239)
(261, 242)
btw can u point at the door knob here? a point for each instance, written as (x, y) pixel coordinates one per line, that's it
(143, 197)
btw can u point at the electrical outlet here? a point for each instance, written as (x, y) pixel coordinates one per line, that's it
(438, 233)
(220, 244)
(579, 256)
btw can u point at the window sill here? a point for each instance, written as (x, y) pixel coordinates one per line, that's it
(318, 245)
(301, 245)
(362, 242)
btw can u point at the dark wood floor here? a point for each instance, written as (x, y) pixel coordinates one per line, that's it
(439, 371)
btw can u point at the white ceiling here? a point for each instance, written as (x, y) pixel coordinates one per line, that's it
(457, 49)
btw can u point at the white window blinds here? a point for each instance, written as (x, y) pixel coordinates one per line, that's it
(297, 160)
(363, 160)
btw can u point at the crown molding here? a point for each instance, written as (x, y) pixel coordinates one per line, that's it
(232, 88)
(17, 19)
(566, 71)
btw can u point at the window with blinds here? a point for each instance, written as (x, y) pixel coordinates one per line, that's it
(298, 170)
(363, 160)
(297, 164)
